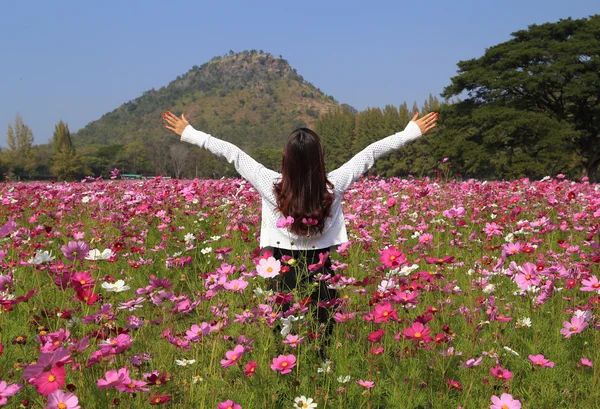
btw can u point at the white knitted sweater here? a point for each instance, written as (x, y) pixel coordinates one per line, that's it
(263, 179)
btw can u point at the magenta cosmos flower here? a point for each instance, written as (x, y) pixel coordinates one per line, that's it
(587, 362)
(61, 400)
(503, 374)
(506, 401)
(392, 257)
(250, 368)
(575, 326)
(283, 364)
(8, 390)
(418, 332)
(385, 312)
(539, 360)
(233, 357)
(228, 404)
(51, 381)
(75, 250)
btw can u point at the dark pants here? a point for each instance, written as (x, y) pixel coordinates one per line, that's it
(299, 275)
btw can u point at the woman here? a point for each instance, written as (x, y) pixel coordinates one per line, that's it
(303, 200)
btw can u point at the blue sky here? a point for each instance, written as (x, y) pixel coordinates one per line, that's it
(77, 60)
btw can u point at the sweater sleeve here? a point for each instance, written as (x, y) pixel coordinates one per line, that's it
(258, 175)
(348, 173)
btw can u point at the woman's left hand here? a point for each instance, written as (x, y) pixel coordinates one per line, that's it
(427, 122)
(175, 124)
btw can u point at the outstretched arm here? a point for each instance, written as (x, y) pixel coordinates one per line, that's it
(259, 176)
(348, 173)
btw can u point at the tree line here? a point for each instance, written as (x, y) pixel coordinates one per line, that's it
(529, 107)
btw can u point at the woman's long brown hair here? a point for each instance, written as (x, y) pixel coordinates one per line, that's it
(302, 191)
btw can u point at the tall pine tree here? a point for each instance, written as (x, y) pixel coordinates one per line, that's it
(66, 164)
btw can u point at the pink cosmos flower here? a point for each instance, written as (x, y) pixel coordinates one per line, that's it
(418, 332)
(61, 400)
(50, 381)
(392, 257)
(376, 336)
(587, 362)
(366, 384)
(426, 238)
(132, 386)
(114, 378)
(405, 298)
(512, 248)
(8, 390)
(116, 345)
(196, 332)
(506, 401)
(75, 250)
(293, 340)
(471, 362)
(284, 222)
(46, 362)
(385, 312)
(82, 279)
(7, 228)
(454, 213)
(236, 285)
(268, 268)
(233, 356)
(528, 276)
(319, 265)
(250, 368)
(454, 384)
(575, 326)
(591, 284)
(539, 360)
(228, 404)
(493, 229)
(310, 222)
(283, 364)
(502, 374)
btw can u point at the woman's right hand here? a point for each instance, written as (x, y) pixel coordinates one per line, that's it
(173, 123)
(427, 122)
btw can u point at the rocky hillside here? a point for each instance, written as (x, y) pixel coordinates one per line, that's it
(250, 98)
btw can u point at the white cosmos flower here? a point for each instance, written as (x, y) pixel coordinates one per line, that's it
(512, 351)
(116, 287)
(343, 379)
(95, 254)
(206, 250)
(524, 322)
(490, 288)
(189, 237)
(583, 313)
(325, 367)
(287, 324)
(184, 362)
(304, 403)
(42, 257)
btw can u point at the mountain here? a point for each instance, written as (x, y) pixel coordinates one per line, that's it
(251, 99)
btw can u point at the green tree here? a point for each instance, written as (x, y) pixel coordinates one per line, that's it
(21, 161)
(336, 129)
(547, 78)
(66, 163)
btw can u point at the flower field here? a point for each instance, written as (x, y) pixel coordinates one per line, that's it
(451, 295)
